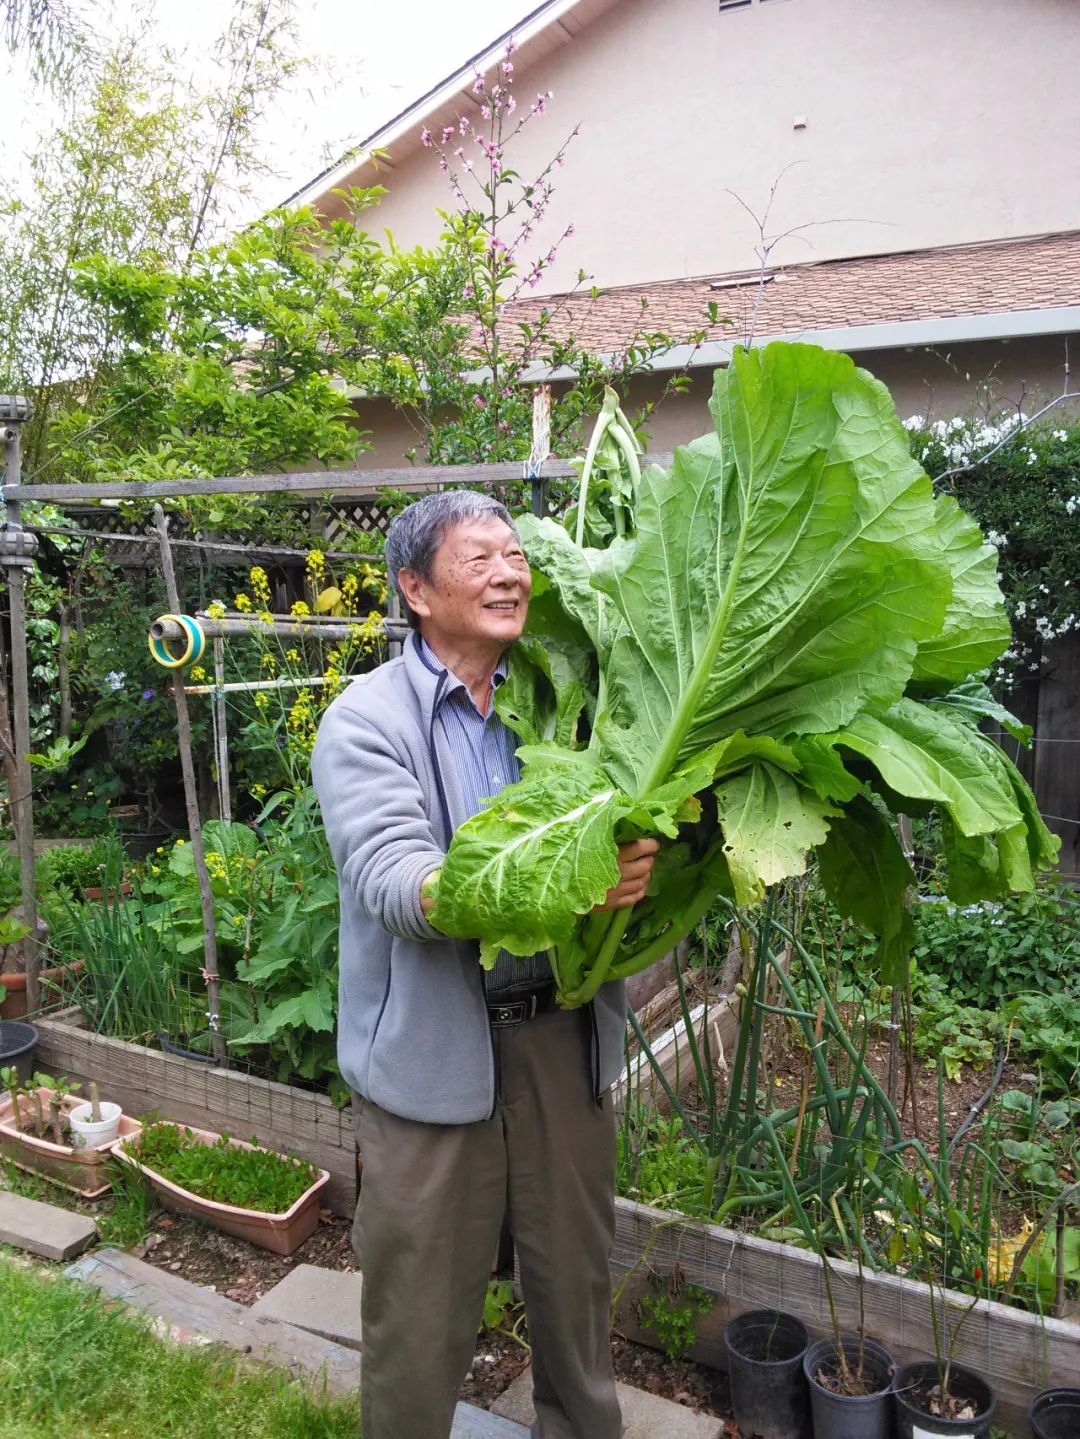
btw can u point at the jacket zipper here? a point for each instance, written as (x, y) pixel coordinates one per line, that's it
(437, 771)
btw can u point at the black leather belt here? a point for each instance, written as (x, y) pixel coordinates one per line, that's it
(518, 1006)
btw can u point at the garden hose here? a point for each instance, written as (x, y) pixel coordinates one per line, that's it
(193, 644)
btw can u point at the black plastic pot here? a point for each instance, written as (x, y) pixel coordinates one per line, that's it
(850, 1416)
(178, 1046)
(918, 1378)
(17, 1044)
(765, 1349)
(1055, 1414)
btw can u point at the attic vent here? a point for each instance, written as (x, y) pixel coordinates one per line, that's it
(736, 282)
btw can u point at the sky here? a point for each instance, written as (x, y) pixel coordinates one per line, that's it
(369, 59)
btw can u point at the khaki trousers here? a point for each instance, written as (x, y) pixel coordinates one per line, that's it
(427, 1223)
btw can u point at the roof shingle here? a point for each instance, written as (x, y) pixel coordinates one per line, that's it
(1006, 275)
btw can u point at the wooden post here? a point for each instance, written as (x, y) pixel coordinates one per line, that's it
(17, 556)
(191, 801)
(541, 444)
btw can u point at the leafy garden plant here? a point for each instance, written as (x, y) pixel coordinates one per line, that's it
(227, 1173)
(776, 655)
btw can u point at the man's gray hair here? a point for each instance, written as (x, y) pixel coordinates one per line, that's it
(418, 531)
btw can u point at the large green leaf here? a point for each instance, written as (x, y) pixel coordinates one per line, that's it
(928, 754)
(866, 876)
(784, 570)
(744, 658)
(770, 824)
(976, 627)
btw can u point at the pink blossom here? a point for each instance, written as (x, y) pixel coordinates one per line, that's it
(496, 91)
(560, 159)
(549, 259)
(468, 292)
(425, 137)
(468, 164)
(478, 85)
(442, 163)
(463, 125)
(485, 110)
(505, 426)
(511, 105)
(511, 48)
(479, 402)
(507, 67)
(569, 229)
(448, 133)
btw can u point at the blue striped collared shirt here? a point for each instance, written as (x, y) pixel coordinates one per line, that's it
(484, 760)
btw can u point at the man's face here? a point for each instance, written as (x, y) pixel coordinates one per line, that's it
(479, 591)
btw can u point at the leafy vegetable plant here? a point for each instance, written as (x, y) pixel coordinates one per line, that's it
(773, 655)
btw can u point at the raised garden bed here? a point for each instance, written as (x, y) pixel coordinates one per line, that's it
(1019, 1354)
(207, 1097)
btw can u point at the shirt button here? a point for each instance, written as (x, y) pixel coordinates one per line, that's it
(496, 779)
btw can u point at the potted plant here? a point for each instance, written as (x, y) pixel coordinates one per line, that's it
(765, 1350)
(1055, 1414)
(936, 1398)
(94, 1124)
(37, 1134)
(254, 1193)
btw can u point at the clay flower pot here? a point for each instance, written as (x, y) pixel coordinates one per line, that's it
(85, 1171)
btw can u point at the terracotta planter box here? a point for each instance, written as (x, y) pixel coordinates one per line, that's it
(84, 1171)
(283, 1233)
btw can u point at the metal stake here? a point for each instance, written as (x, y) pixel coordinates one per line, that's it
(191, 802)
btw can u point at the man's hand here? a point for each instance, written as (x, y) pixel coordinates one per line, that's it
(635, 868)
(428, 890)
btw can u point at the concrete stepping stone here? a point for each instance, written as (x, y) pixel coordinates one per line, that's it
(473, 1423)
(190, 1313)
(324, 1301)
(43, 1229)
(645, 1416)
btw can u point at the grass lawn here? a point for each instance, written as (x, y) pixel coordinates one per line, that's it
(71, 1366)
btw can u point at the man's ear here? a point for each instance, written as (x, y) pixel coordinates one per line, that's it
(415, 591)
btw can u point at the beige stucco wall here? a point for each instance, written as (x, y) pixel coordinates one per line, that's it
(941, 383)
(928, 122)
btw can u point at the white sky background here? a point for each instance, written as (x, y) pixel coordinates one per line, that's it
(370, 59)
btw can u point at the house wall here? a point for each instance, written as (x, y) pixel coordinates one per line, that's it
(941, 383)
(927, 123)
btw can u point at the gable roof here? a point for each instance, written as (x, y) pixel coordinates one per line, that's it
(543, 30)
(993, 290)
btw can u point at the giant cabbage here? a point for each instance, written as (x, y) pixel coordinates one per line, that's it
(775, 654)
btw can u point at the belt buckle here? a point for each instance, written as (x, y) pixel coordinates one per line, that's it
(514, 1011)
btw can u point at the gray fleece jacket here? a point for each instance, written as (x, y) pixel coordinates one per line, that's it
(413, 1034)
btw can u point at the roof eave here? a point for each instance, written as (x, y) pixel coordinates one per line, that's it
(454, 88)
(889, 335)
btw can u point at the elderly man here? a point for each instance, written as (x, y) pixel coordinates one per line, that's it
(477, 1095)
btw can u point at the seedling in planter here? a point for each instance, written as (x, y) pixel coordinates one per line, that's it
(9, 1078)
(57, 1088)
(245, 1178)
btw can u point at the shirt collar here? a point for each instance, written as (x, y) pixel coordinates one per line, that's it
(454, 686)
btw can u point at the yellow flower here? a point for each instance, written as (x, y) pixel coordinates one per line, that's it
(260, 586)
(266, 617)
(180, 842)
(293, 656)
(198, 674)
(215, 610)
(301, 608)
(261, 700)
(237, 919)
(243, 603)
(258, 791)
(316, 564)
(269, 662)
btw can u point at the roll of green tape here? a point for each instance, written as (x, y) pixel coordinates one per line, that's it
(194, 644)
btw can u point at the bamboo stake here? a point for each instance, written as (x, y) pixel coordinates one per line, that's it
(222, 730)
(191, 802)
(17, 558)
